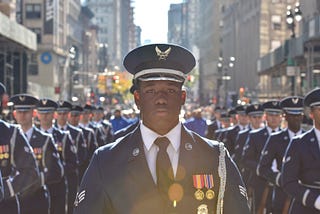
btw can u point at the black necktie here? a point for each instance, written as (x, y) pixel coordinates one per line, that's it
(164, 168)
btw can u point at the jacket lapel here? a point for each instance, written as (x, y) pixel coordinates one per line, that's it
(138, 168)
(315, 150)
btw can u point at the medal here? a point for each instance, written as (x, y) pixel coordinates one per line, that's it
(199, 195)
(1, 156)
(202, 209)
(6, 155)
(210, 194)
(198, 183)
(208, 183)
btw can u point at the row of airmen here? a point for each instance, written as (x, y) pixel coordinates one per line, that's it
(280, 165)
(42, 165)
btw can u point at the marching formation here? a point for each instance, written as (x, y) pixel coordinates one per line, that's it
(276, 146)
(44, 154)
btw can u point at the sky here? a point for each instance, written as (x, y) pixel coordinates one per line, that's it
(152, 17)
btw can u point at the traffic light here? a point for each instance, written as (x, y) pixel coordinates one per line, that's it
(115, 79)
(241, 92)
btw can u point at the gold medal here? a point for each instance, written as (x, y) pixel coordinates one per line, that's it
(1, 156)
(202, 209)
(210, 194)
(199, 195)
(6, 155)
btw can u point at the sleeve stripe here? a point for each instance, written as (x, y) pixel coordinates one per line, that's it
(10, 187)
(277, 179)
(305, 195)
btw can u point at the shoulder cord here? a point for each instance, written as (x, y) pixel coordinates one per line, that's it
(223, 177)
(12, 145)
(64, 142)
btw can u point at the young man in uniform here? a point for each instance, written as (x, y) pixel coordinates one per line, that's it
(67, 150)
(257, 186)
(301, 166)
(47, 156)
(161, 167)
(77, 139)
(275, 148)
(17, 164)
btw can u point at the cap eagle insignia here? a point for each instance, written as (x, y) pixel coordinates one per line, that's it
(163, 54)
(295, 100)
(44, 101)
(22, 98)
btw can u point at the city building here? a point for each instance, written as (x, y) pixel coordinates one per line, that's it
(252, 29)
(117, 33)
(17, 43)
(297, 62)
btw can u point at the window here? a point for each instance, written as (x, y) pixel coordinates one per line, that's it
(37, 31)
(276, 22)
(33, 11)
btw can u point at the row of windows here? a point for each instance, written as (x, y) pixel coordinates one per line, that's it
(33, 11)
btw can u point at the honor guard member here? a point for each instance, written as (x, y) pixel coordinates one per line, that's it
(85, 121)
(47, 156)
(255, 115)
(232, 132)
(161, 167)
(17, 165)
(225, 124)
(98, 120)
(77, 139)
(275, 148)
(88, 134)
(67, 152)
(257, 186)
(215, 124)
(301, 164)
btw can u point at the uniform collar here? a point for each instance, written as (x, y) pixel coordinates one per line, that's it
(149, 136)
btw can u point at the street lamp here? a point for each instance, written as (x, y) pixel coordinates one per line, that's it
(223, 68)
(292, 16)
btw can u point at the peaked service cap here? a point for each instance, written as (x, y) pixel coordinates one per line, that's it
(159, 62)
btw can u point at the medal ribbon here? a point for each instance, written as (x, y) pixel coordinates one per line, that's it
(198, 181)
(208, 181)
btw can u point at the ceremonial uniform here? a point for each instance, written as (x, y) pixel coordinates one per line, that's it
(301, 166)
(104, 126)
(78, 141)
(161, 167)
(214, 125)
(51, 171)
(67, 153)
(131, 189)
(232, 132)
(88, 135)
(257, 186)
(50, 166)
(18, 166)
(274, 150)
(253, 111)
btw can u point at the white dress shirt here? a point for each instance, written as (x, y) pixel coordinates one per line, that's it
(151, 150)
